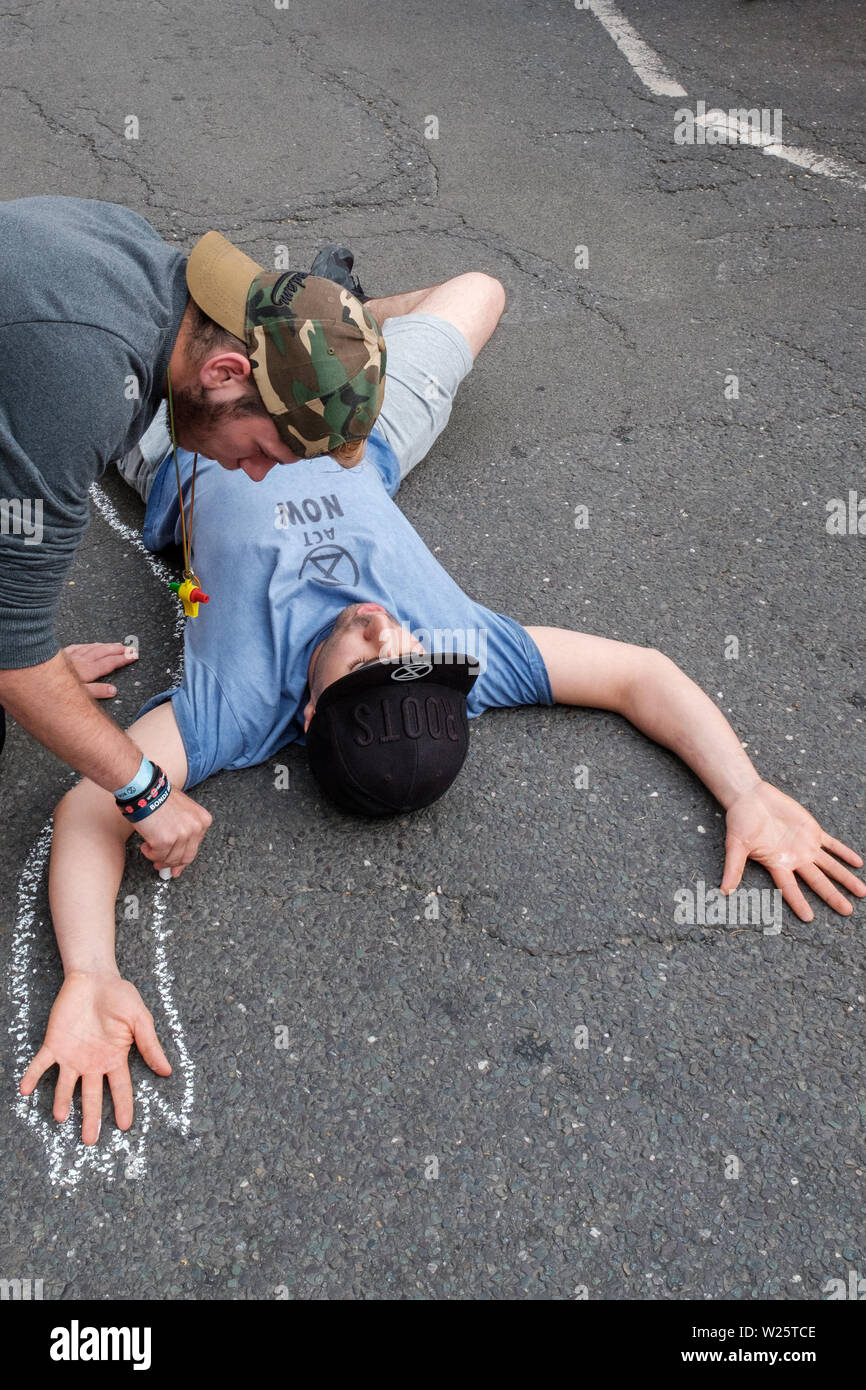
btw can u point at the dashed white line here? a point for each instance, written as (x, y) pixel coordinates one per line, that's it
(645, 61)
(653, 74)
(741, 132)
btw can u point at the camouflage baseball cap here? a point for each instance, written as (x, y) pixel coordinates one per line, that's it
(317, 354)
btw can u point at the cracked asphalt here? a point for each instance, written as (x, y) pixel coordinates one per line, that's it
(472, 1054)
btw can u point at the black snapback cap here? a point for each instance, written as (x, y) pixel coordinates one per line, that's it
(391, 736)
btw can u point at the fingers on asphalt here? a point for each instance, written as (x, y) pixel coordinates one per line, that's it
(844, 851)
(841, 874)
(120, 1085)
(792, 893)
(91, 1106)
(149, 1046)
(820, 884)
(735, 862)
(41, 1062)
(66, 1079)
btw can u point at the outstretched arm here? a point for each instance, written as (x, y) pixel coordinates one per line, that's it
(97, 1014)
(763, 824)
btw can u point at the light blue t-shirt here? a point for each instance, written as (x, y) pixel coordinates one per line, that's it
(280, 559)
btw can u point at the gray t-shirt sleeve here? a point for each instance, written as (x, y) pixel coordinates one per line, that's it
(71, 392)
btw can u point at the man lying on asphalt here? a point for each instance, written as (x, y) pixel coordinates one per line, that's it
(322, 601)
(99, 317)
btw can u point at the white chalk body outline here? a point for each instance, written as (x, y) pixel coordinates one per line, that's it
(67, 1157)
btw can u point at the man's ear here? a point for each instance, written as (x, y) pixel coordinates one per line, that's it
(309, 711)
(223, 369)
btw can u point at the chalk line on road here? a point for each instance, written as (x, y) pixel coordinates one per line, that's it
(645, 61)
(67, 1157)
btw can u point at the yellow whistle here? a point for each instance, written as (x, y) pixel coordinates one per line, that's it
(190, 595)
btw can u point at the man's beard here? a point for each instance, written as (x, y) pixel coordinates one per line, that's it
(196, 416)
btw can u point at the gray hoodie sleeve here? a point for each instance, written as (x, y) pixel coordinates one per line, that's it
(70, 395)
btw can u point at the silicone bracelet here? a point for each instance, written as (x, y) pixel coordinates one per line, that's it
(141, 780)
(145, 803)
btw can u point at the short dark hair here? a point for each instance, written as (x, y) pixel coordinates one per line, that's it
(206, 339)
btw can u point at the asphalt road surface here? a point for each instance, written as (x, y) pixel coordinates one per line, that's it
(473, 1053)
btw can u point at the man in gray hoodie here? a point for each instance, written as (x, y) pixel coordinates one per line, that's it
(98, 316)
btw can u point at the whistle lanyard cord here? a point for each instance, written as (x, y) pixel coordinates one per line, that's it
(186, 535)
(191, 505)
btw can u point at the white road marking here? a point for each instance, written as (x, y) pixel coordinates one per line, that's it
(814, 163)
(67, 1157)
(652, 72)
(645, 61)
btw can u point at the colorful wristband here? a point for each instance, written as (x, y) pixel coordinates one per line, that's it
(144, 804)
(139, 782)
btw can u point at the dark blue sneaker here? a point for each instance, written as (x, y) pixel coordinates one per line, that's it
(335, 263)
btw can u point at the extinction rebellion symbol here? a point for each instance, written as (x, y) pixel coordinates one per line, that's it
(330, 565)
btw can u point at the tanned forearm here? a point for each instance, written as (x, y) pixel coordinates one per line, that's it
(97, 1015)
(667, 706)
(87, 862)
(50, 702)
(651, 691)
